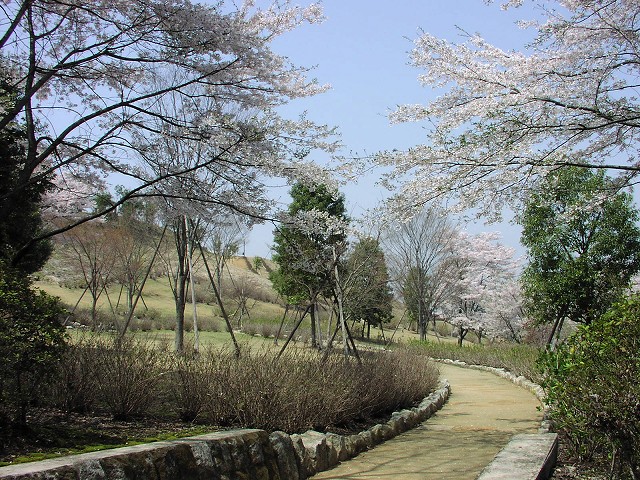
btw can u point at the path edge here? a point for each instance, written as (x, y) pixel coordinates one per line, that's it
(242, 453)
(526, 456)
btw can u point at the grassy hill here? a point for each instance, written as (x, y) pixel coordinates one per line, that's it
(245, 283)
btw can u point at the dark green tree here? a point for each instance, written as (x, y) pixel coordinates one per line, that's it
(20, 219)
(31, 334)
(583, 251)
(368, 294)
(304, 248)
(31, 342)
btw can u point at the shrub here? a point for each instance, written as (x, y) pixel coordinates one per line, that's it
(519, 359)
(294, 392)
(299, 391)
(593, 388)
(188, 383)
(74, 385)
(127, 373)
(32, 340)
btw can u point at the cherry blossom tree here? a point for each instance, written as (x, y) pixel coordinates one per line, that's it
(507, 318)
(93, 77)
(484, 271)
(506, 118)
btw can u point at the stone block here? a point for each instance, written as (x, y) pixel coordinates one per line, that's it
(525, 457)
(315, 443)
(286, 458)
(337, 446)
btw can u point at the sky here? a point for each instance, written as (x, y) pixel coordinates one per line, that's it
(362, 51)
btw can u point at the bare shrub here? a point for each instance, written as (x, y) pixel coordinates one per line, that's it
(209, 324)
(295, 392)
(251, 328)
(204, 294)
(127, 373)
(140, 324)
(74, 388)
(188, 383)
(298, 391)
(98, 322)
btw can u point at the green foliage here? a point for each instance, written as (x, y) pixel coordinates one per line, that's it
(519, 359)
(592, 383)
(31, 342)
(20, 220)
(304, 258)
(583, 251)
(368, 295)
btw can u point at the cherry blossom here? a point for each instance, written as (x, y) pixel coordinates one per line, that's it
(506, 118)
(95, 77)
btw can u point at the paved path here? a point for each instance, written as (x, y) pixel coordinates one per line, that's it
(482, 414)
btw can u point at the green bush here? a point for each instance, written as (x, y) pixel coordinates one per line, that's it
(593, 387)
(32, 340)
(519, 359)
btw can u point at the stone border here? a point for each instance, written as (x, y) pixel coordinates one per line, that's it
(241, 454)
(528, 456)
(317, 452)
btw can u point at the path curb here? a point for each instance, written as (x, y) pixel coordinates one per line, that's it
(526, 456)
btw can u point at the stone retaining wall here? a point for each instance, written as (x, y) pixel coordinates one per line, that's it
(237, 454)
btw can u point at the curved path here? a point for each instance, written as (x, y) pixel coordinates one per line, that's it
(483, 412)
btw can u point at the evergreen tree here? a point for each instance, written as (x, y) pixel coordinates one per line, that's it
(20, 219)
(368, 294)
(304, 248)
(582, 254)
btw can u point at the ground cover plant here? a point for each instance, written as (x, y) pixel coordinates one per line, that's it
(135, 380)
(519, 359)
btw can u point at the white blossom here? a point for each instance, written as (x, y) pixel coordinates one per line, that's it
(506, 118)
(110, 80)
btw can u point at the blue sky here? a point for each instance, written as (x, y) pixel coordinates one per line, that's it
(362, 50)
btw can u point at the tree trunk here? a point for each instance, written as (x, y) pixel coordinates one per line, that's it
(180, 306)
(462, 332)
(312, 312)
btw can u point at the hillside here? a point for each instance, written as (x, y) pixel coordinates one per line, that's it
(242, 284)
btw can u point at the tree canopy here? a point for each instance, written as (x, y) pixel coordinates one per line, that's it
(420, 254)
(583, 249)
(368, 294)
(20, 213)
(98, 83)
(303, 246)
(506, 117)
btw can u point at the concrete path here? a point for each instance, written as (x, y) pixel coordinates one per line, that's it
(482, 414)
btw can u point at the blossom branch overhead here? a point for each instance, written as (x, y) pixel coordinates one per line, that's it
(508, 118)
